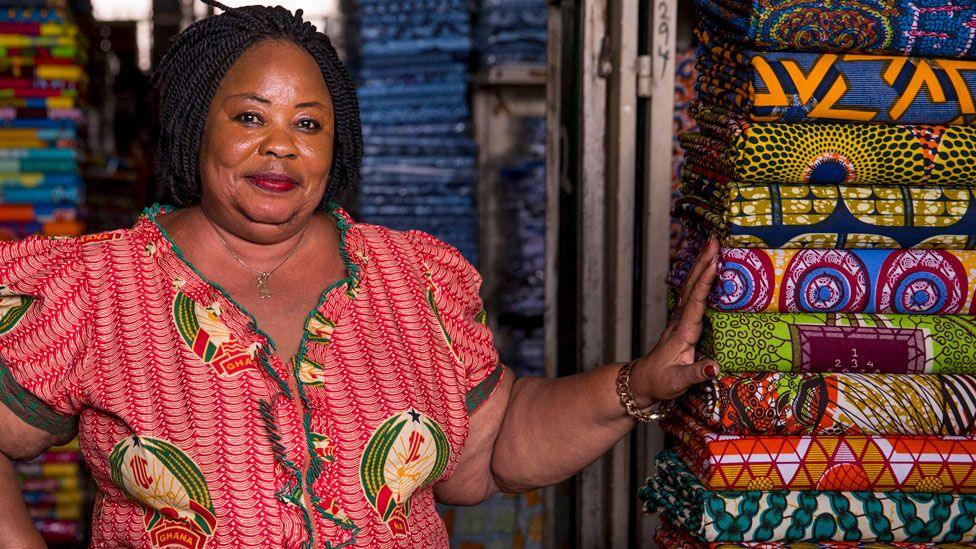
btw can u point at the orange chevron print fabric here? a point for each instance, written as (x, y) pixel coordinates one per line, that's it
(800, 86)
(924, 463)
(198, 435)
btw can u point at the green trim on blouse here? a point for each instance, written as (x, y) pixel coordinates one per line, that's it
(30, 408)
(480, 392)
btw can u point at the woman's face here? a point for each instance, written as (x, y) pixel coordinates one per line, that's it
(267, 143)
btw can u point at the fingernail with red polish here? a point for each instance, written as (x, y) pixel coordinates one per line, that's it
(711, 370)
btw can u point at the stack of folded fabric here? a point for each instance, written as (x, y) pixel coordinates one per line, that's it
(685, 77)
(836, 162)
(41, 193)
(56, 495)
(521, 306)
(40, 75)
(419, 162)
(512, 31)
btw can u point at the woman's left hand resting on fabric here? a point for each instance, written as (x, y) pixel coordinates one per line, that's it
(518, 439)
(199, 348)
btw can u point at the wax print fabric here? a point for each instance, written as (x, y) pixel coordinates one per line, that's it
(801, 86)
(45, 14)
(840, 342)
(926, 28)
(836, 216)
(684, 95)
(195, 429)
(791, 404)
(871, 154)
(47, 41)
(904, 463)
(935, 282)
(669, 536)
(804, 516)
(9, 115)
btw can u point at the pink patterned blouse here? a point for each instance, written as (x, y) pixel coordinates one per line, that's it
(199, 436)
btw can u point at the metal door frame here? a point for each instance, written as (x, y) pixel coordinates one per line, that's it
(612, 187)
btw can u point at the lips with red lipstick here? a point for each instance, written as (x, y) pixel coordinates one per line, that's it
(276, 182)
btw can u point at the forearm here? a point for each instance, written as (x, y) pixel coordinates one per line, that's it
(16, 528)
(555, 427)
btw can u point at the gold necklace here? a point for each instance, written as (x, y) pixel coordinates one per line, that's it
(262, 278)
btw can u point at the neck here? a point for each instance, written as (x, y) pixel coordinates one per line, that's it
(261, 254)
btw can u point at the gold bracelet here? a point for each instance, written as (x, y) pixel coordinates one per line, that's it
(628, 401)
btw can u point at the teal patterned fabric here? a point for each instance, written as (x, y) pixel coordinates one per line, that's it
(804, 516)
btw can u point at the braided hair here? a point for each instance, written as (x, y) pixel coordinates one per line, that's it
(188, 76)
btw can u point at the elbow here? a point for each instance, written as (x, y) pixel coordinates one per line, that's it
(509, 484)
(466, 493)
(21, 452)
(23, 447)
(23, 443)
(466, 499)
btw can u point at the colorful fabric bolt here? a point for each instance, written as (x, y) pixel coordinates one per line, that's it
(670, 536)
(11, 114)
(20, 54)
(915, 463)
(856, 281)
(684, 95)
(805, 515)
(826, 87)
(868, 154)
(34, 14)
(927, 28)
(21, 41)
(840, 342)
(836, 216)
(793, 404)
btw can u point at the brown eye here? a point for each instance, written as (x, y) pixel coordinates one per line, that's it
(248, 118)
(309, 125)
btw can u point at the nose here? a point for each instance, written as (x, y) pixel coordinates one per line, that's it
(278, 143)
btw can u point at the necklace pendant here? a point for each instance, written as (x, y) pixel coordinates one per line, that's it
(263, 285)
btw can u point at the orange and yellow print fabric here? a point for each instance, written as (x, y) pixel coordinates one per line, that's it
(800, 86)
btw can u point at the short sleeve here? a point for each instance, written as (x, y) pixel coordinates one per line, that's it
(44, 327)
(452, 292)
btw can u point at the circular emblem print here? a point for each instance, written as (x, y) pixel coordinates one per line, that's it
(209, 338)
(407, 451)
(171, 488)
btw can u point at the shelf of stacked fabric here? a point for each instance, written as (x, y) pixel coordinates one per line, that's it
(41, 191)
(835, 160)
(821, 310)
(40, 81)
(789, 516)
(419, 159)
(512, 32)
(787, 457)
(56, 494)
(829, 420)
(522, 205)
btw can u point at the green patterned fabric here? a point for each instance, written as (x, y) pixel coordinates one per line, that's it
(804, 516)
(840, 343)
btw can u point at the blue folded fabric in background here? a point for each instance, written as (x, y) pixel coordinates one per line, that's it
(512, 31)
(419, 159)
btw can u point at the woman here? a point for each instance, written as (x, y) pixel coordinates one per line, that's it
(221, 397)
